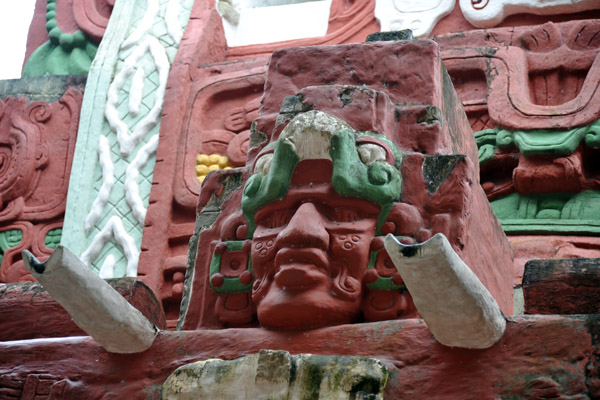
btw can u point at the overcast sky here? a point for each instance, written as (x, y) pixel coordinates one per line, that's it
(15, 17)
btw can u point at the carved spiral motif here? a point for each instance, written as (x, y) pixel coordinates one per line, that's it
(92, 16)
(479, 4)
(345, 286)
(39, 111)
(263, 164)
(380, 174)
(592, 137)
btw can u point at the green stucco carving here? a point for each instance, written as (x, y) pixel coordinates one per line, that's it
(536, 141)
(229, 285)
(9, 239)
(262, 189)
(379, 182)
(52, 239)
(554, 212)
(64, 54)
(551, 212)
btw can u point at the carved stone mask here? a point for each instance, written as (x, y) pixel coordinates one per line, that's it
(316, 200)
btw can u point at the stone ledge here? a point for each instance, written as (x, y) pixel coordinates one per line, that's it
(29, 312)
(560, 353)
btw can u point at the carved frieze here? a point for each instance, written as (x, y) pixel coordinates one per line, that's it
(39, 385)
(64, 35)
(489, 13)
(420, 16)
(529, 93)
(216, 123)
(115, 155)
(37, 141)
(529, 77)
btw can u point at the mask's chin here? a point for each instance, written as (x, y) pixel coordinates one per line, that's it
(301, 309)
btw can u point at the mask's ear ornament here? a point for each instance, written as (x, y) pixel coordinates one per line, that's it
(387, 297)
(231, 274)
(457, 307)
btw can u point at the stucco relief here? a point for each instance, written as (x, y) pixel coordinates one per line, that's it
(489, 13)
(331, 169)
(37, 140)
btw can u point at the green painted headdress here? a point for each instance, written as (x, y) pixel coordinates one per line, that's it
(365, 164)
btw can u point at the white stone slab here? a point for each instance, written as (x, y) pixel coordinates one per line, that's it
(420, 16)
(98, 309)
(278, 375)
(259, 22)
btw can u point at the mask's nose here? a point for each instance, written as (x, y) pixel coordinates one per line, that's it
(306, 228)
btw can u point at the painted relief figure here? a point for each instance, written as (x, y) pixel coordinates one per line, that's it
(297, 239)
(318, 197)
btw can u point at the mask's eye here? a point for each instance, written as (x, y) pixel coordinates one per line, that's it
(370, 153)
(277, 218)
(340, 214)
(263, 164)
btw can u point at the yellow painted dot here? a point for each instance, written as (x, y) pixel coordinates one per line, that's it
(223, 162)
(201, 178)
(202, 169)
(214, 159)
(202, 159)
(206, 163)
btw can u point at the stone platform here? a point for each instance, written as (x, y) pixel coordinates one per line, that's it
(540, 356)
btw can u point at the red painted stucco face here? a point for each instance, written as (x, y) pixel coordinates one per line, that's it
(309, 253)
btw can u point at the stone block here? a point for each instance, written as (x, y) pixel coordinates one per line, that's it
(279, 375)
(401, 85)
(29, 312)
(567, 286)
